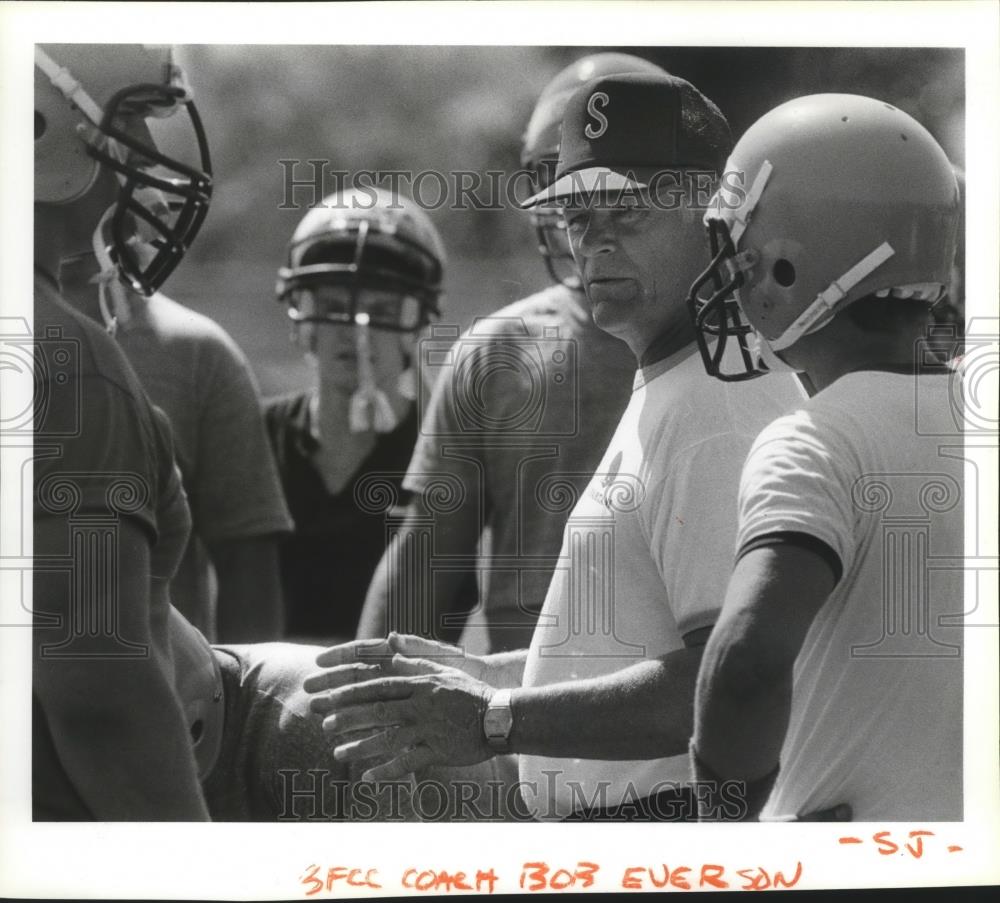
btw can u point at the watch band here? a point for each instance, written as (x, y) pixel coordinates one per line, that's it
(498, 721)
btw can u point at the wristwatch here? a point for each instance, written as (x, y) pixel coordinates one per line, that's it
(498, 721)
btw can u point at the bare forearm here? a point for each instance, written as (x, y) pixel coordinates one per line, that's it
(418, 606)
(641, 712)
(741, 720)
(744, 693)
(250, 605)
(128, 756)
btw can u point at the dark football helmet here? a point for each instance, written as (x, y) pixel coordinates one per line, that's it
(364, 238)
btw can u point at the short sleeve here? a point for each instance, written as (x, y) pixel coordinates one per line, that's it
(445, 445)
(234, 490)
(798, 479)
(693, 527)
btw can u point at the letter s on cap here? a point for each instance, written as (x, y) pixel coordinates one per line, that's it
(599, 117)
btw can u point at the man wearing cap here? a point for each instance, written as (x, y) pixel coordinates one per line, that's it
(599, 708)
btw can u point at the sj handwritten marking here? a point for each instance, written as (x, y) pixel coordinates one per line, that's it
(887, 846)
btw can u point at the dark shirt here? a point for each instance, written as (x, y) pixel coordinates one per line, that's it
(328, 562)
(102, 455)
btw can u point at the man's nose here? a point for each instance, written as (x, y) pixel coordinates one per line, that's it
(597, 236)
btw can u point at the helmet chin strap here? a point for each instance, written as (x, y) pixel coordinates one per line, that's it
(108, 279)
(761, 348)
(370, 408)
(821, 311)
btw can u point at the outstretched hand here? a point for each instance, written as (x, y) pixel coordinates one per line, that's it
(400, 713)
(380, 652)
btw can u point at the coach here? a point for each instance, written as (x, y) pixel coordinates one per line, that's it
(599, 709)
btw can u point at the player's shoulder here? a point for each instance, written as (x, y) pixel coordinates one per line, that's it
(182, 324)
(869, 396)
(289, 408)
(831, 420)
(71, 346)
(527, 316)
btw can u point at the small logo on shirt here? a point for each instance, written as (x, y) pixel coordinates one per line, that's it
(617, 491)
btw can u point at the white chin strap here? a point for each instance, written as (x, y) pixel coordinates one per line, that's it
(820, 312)
(108, 279)
(762, 349)
(741, 216)
(64, 82)
(370, 408)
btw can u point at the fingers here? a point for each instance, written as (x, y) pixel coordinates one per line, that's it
(356, 651)
(378, 714)
(340, 676)
(383, 745)
(419, 647)
(406, 763)
(385, 688)
(356, 673)
(401, 666)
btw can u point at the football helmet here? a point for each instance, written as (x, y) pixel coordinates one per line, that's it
(825, 200)
(540, 149)
(364, 238)
(107, 105)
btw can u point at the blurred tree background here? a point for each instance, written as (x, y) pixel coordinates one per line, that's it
(448, 109)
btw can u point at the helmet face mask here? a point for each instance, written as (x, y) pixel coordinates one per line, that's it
(842, 197)
(335, 303)
(181, 194)
(553, 245)
(353, 260)
(91, 112)
(718, 317)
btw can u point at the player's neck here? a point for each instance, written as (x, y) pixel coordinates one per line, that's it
(841, 348)
(341, 452)
(48, 244)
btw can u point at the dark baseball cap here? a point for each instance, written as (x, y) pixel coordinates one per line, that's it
(619, 131)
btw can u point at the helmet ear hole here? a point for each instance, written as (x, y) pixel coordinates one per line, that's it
(41, 126)
(783, 272)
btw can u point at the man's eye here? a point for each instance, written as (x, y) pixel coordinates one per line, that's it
(631, 214)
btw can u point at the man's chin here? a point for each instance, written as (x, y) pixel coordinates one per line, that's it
(610, 317)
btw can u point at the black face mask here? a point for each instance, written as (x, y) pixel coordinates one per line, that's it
(183, 188)
(717, 318)
(361, 257)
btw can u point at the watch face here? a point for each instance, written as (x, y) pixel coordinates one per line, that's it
(497, 722)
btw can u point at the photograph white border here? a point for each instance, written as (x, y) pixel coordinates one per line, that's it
(179, 861)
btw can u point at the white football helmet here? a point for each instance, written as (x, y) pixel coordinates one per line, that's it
(100, 105)
(825, 200)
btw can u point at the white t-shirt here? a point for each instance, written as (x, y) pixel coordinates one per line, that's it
(646, 555)
(876, 717)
